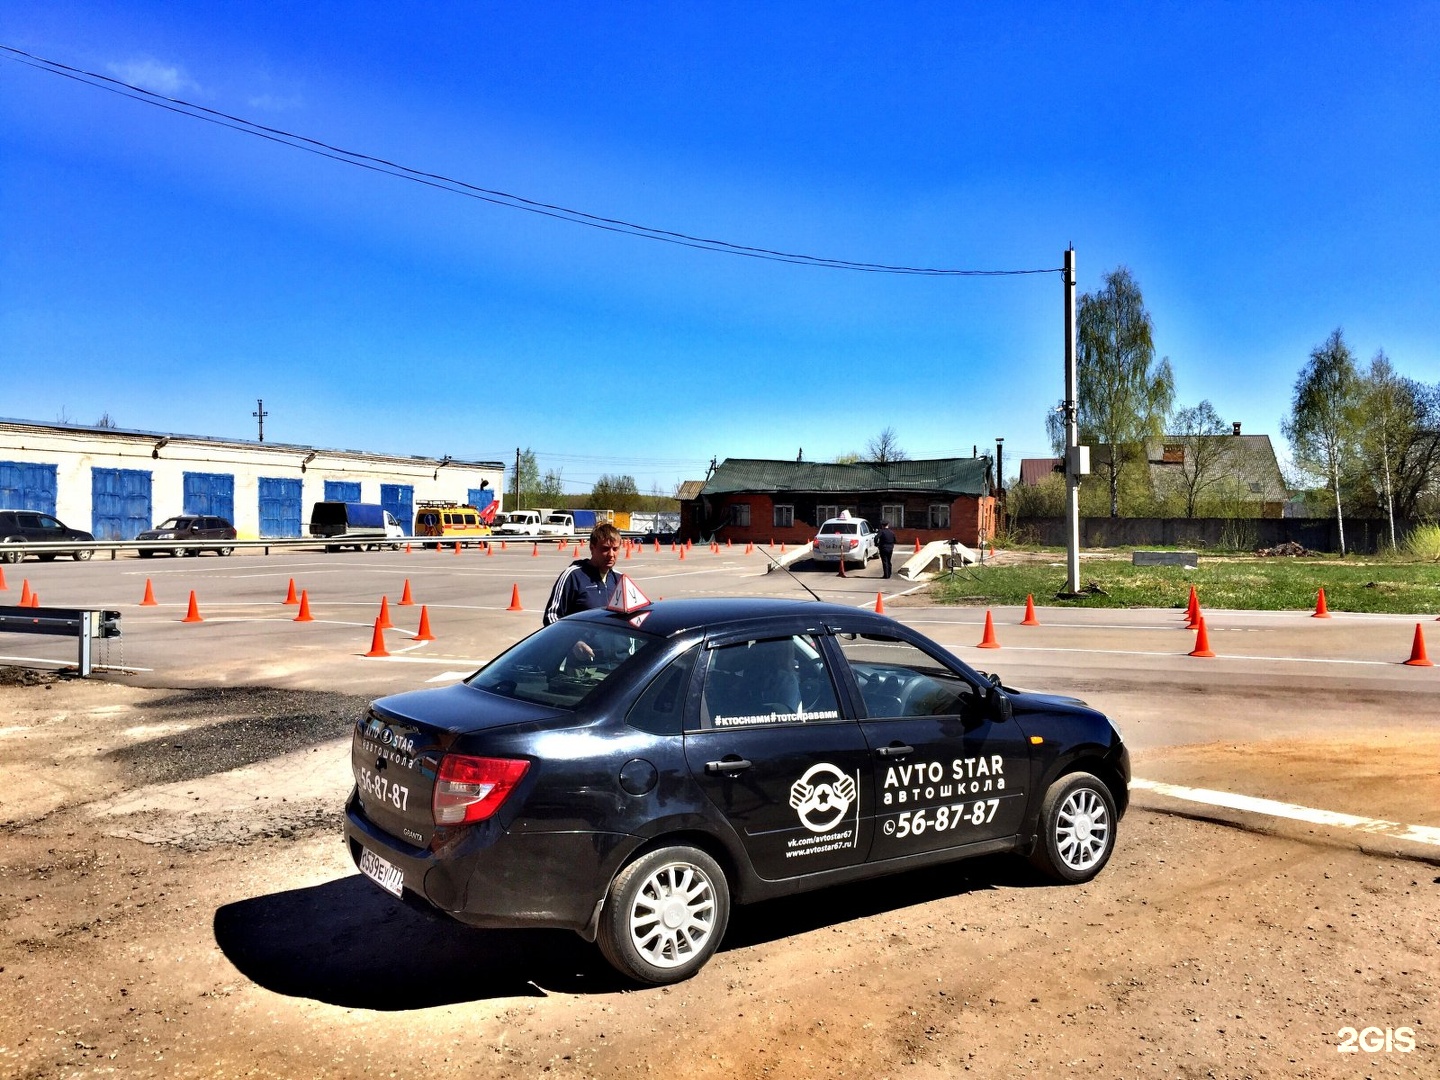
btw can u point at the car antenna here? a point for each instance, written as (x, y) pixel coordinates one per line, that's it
(787, 570)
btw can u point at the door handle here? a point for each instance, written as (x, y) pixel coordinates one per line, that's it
(726, 767)
(895, 751)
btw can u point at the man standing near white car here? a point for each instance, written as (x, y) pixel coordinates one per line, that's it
(586, 584)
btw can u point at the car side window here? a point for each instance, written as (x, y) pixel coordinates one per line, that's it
(897, 679)
(768, 681)
(660, 710)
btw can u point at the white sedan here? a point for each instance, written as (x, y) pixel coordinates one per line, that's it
(845, 538)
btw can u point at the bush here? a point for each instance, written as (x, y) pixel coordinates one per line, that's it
(1423, 543)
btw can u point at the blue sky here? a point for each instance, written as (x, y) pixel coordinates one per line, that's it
(1267, 171)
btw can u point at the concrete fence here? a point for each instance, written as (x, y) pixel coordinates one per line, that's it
(1362, 535)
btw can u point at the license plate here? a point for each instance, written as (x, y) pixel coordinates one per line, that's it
(385, 874)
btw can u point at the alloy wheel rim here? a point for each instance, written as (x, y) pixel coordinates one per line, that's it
(673, 916)
(1082, 829)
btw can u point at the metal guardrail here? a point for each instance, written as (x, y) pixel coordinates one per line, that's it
(63, 548)
(88, 625)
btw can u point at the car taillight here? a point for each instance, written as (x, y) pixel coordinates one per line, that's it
(470, 789)
(854, 543)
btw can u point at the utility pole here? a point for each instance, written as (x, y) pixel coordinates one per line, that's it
(1073, 467)
(260, 415)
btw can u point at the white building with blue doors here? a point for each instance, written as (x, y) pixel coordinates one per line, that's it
(116, 483)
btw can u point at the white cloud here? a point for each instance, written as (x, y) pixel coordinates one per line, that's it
(154, 76)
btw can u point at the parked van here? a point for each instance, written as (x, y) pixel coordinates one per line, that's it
(520, 523)
(355, 524)
(453, 521)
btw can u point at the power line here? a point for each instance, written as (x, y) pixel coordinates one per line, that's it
(473, 191)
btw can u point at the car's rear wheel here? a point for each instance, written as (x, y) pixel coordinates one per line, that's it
(12, 556)
(664, 915)
(1077, 828)
(82, 555)
(224, 551)
(178, 553)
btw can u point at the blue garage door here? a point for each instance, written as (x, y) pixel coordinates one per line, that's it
(119, 503)
(27, 486)
(342, 491)
(480, 497)
(279, 507)
(399, 499)
(210, 493)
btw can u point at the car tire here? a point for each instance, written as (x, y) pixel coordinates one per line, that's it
(82, 555)
(12, 556)
(224, 551)
(177, 553)
(1077, 829)
(664, 915)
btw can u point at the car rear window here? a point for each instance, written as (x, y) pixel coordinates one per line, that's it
(840, 527)
(562, 664)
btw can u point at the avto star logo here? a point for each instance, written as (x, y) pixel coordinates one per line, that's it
(822, 796)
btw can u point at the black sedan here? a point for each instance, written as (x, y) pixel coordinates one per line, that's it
(628, 774)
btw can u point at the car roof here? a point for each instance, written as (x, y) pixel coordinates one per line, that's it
(735, 614)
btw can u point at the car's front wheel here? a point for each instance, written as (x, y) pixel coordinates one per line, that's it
(14, 555)
(82, 554)
(177, 553)
(664, 915)
(1077, 828)
(224, 551)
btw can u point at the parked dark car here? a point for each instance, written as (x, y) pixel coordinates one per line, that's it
(190, 528)
(627, 775)
(31, 527)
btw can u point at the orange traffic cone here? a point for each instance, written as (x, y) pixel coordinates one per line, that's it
(25, 593)
(879, 604)
(842, 566)
(515, 599)
(490, 548)
(384, 618)
(987, 641)
(1202, 639)
(917, 545)
(534, 550)
(627, 550)
(290, 598)
(424, 634)
(3, 586)
(504, 546)
(406, 600)
(407, 549)
(1030, 619)
(1321, 611)
(34, 599)
(682, 555)
(149, 599)
(304, 613)
(377, 641)
(1417, 651)
(193, 614)
(457, 547)
(1192, 608)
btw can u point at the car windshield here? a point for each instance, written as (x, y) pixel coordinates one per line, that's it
(562, 664)
(173, 523)
(840, 527)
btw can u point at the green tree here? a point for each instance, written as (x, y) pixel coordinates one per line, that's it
(612, 492)
(552, 488)
(1125, 395)
(1206, 443)
(1386, 420)
(525, 487)
(1322, 426)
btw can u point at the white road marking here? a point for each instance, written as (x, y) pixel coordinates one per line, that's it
(1420, 834)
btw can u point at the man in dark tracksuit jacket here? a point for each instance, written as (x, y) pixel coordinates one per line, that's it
(586, 584)
(885, 542)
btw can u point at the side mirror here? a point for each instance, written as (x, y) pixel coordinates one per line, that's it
(998, 701)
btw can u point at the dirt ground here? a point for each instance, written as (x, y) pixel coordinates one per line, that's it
(175, 901)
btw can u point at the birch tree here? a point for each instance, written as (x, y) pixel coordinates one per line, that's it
(1322, 426)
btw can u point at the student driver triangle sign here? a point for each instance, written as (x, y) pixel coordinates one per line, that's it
(627, 597)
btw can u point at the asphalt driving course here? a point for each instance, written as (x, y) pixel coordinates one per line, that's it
(1274, 886)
